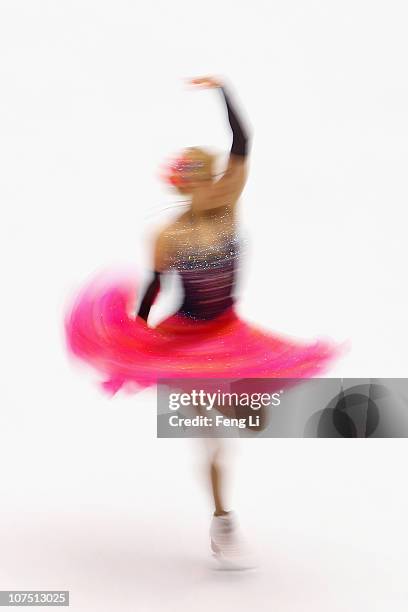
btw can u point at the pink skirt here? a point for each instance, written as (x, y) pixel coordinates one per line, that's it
(102, 331)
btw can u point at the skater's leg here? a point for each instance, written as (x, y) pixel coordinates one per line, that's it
(217, 476)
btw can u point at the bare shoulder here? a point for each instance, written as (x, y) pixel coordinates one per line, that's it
(178, 227)
(165, 241)
(182, 220)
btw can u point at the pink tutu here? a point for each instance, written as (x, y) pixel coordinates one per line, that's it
(102, 330)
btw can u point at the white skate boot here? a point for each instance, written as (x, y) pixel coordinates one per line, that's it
(227, 544)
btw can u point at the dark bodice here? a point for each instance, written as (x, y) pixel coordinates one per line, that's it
(208, 277)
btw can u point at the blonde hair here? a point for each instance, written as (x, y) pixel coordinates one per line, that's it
(201, 155)
(203, 171)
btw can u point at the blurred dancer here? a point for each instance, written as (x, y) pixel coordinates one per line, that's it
(205, 338)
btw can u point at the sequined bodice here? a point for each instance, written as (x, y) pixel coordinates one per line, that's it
(208, 277)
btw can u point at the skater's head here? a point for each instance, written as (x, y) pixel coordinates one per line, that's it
(191, 171)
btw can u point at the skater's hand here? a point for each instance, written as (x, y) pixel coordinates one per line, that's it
(206, 81)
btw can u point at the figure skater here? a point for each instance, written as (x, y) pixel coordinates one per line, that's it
(205, 338)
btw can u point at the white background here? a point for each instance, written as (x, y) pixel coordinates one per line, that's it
(91, 102)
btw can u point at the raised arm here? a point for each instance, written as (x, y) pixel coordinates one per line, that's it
(240, 139)
(227, 190)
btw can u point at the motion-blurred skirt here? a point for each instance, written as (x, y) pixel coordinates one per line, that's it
(103, 331)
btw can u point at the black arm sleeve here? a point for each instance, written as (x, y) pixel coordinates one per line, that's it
(240, 137)
(149, 296)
